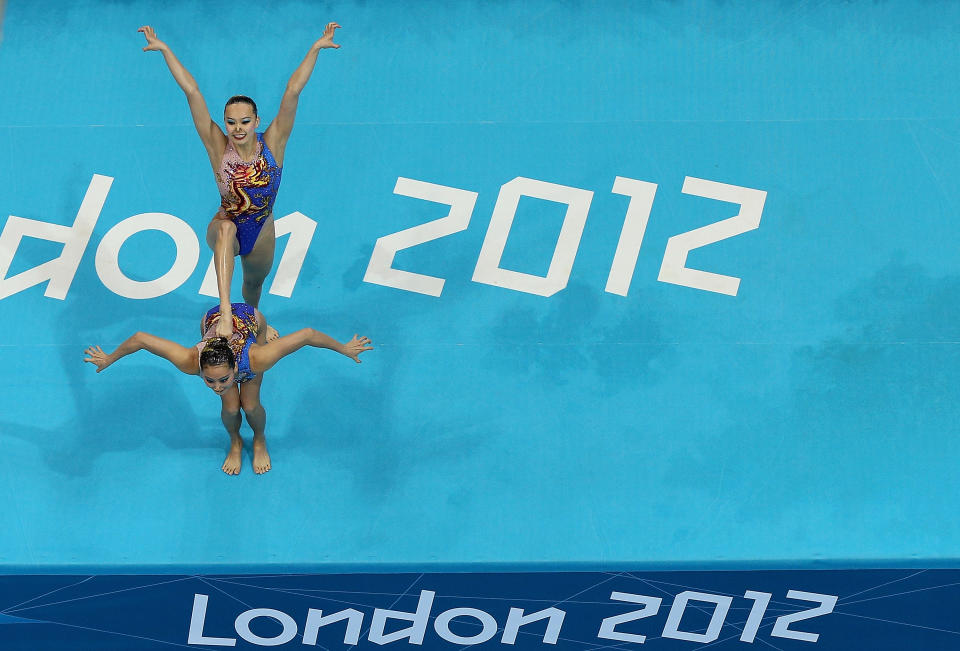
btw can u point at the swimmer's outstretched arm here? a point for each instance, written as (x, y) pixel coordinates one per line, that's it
(185, 359)
(262, 357)
(279, 130)
(209, 131)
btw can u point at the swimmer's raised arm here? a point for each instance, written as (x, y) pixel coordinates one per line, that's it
(262, 357)
(185, 359)
(279, 130)
(209, 131)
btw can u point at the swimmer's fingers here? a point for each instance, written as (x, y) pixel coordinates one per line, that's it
(93, 351)
(97, 357)
(327, 39)
(358, 345)
(153, 43)
(364, 341)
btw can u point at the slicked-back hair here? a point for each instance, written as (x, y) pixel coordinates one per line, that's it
(242, 99)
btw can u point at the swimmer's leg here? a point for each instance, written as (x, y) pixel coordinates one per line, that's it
(222, 238)
(257, 420)
(230, 415)
(265, 332)
(257, 263)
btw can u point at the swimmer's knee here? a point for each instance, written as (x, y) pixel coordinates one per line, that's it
(253, 281)
(226, 228)
(230, 412)
(251, 407)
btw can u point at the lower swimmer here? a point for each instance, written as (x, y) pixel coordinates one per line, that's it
(233, 368)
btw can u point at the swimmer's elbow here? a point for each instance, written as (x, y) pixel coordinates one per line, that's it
(143, 341)
(292, 91)
(317, 339)
(136, 341)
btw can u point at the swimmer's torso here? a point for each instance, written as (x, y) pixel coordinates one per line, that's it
(248, 189)
(245, 331)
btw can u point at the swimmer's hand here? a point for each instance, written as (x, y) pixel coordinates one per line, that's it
(326, 41)
(355, 346)
(154, 44)
(98, 358)
(225, 325)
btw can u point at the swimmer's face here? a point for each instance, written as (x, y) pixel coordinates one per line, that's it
(219, 378)
(241, 123)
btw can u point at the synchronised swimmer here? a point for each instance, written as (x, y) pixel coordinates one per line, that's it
(247, 166)
(233, 368)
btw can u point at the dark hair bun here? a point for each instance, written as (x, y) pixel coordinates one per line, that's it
(217, 351)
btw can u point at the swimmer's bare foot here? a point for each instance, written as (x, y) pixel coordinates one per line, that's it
(231, 465)
(271, 335)
(261, 459)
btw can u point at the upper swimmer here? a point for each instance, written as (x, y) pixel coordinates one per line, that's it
(247, 165)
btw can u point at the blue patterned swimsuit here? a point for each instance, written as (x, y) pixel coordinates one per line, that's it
(248, 191)
(245, 331)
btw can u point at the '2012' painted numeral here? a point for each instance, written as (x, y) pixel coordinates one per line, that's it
(718, 606)
(673, 269)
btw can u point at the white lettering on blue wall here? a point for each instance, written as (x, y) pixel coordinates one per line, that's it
(59, 272)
